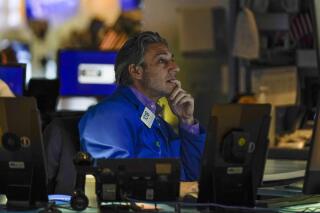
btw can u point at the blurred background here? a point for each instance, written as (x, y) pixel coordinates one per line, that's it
(228, 50)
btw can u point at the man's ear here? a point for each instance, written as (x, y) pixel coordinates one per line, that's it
(135, 71)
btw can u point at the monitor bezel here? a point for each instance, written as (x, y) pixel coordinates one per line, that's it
(311, 183)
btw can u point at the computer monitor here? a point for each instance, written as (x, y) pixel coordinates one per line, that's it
(14, 75)
(312, 177)
(310, 79)
(235, 154)
(86, 72)
(23, 176)
(311, 183)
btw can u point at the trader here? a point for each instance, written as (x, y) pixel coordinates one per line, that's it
(128, 124)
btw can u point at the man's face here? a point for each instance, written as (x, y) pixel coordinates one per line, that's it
(159, 70)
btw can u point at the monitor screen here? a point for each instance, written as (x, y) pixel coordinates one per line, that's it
(312, 178)
(56, 12)
(14, 76)
(127, 5)
(23, 176)
(235, 154)
(86, 72)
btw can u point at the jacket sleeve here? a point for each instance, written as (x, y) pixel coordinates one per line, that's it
(192, 147)
(106, 135)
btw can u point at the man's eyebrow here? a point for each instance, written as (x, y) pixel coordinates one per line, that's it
(164, 53)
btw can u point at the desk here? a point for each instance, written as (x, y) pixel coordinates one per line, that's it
(281, 169)
(272, 167)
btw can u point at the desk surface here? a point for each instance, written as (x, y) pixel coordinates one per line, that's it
(272, 167)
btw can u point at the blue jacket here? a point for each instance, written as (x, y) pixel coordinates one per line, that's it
(113, 129)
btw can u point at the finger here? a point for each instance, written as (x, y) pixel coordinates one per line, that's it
(177, 87)
(177, 82)
(185, 99)
(175, 92)
(178, 97)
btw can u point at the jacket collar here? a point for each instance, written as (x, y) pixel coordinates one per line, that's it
(130, 96)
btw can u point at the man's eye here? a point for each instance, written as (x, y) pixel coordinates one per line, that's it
(162, 60)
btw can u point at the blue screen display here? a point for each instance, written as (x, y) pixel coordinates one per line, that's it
(14, 76)
(54, 11)
(86, 73)
(127, 5)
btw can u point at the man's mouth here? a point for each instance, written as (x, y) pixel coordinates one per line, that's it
(172, 81)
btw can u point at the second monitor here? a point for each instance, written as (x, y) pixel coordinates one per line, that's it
(235, 154)
(86, 72)
(23, 171)
(14, 76)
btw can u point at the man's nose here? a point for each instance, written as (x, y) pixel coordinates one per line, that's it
(174, 67)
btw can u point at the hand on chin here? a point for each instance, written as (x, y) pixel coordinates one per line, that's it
(172, 84)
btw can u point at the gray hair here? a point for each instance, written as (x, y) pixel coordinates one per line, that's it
(132, 52)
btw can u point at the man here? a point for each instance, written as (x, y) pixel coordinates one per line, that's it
(127, 124)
